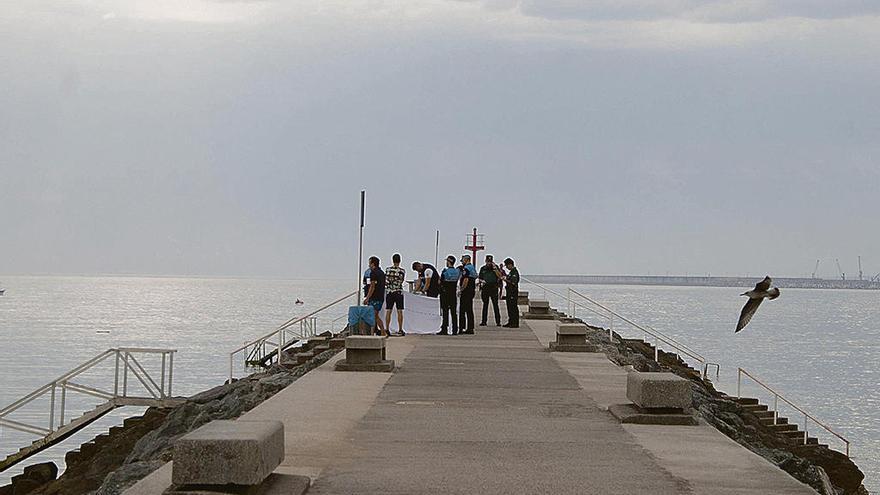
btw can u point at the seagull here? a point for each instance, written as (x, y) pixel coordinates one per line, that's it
(757, 295)
(298, 302)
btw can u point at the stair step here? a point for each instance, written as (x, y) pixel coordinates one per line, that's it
(754, 407)
(768, 420)
(744, 400)
(782, 427)
(795, 434)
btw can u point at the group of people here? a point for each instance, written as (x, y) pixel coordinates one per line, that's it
(455, 286)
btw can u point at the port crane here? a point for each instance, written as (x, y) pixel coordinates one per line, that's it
(839, 271)
(860, 268)
(816, 269)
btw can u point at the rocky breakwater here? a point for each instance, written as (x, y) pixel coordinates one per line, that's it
(827, 471)
(114, 461)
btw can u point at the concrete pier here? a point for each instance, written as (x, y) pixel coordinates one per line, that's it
(494, 412)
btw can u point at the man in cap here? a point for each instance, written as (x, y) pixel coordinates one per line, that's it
(468, 291)
(429, 278)
(448, 288)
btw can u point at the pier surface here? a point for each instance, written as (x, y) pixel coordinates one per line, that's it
(489, 413)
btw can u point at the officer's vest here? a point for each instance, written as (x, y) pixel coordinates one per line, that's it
(434, 289)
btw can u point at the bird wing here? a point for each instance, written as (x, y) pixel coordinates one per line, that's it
(763, 285)
(747, 312)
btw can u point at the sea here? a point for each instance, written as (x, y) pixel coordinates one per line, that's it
(820, 349)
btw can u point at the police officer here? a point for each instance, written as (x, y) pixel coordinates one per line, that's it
(430, 278)
(490, 275)
(448, 288)
(512, 282)
(468, 291)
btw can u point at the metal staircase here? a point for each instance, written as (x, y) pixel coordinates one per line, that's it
(58, 426)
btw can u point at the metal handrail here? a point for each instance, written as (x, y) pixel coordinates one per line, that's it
(279, 332)
(570, 301)
(776, 397)
(64, 382)
(658, 336)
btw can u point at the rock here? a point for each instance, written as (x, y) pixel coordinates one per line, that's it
(41, 473)
(23, 486)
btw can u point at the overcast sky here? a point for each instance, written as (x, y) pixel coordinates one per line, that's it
(223, 137)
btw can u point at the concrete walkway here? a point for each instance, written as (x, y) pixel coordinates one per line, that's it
(711, 462)
(493, 413)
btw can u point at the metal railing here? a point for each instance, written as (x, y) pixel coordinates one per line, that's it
(59, 424)
(282, 337)
(777, 397)
(609, 314)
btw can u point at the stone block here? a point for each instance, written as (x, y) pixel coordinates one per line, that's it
(385, 366)
(364, 342)
(316, 341)
(337, 343)
(630, 413)
(303, 357)
(361, 349)
(275, 484)
(571, 329)
(658, 391)
(228, 452)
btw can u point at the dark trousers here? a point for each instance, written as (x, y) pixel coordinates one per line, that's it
(486, 294)
(512, 309)
(447, 305)
(466, 308)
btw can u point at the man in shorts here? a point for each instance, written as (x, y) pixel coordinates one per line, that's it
(394, 278)
(376, 294)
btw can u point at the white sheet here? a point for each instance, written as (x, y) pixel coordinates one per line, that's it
(421, 314)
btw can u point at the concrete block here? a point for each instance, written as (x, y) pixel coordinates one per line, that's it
(228, 452)
(662, 391)
(539, 306)
(364, 342)
(321, 348)
(362, 349)
(275, 484)
(630, 413)
(561, 347)
(303, 357)
(337, 343)
(522, 299)
(316, 341)
(385, 366)
(571, 329)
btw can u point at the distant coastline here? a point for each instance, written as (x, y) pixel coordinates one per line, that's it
(683, 281)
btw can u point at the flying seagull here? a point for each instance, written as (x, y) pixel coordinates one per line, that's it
(757, 295)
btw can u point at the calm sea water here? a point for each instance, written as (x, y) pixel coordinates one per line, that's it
(819, 348)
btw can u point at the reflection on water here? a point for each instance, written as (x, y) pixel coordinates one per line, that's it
(50, 325)
(820, 348)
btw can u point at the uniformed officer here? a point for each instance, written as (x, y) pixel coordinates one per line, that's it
(448, 288)
(468, 291)
(512, 286)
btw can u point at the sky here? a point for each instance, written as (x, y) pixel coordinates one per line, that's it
(232, 138)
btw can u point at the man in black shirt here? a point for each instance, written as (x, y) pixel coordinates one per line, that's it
(490, 275)
(376, 293)
(512, 281)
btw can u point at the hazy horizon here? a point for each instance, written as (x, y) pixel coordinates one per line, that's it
(232, 137)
